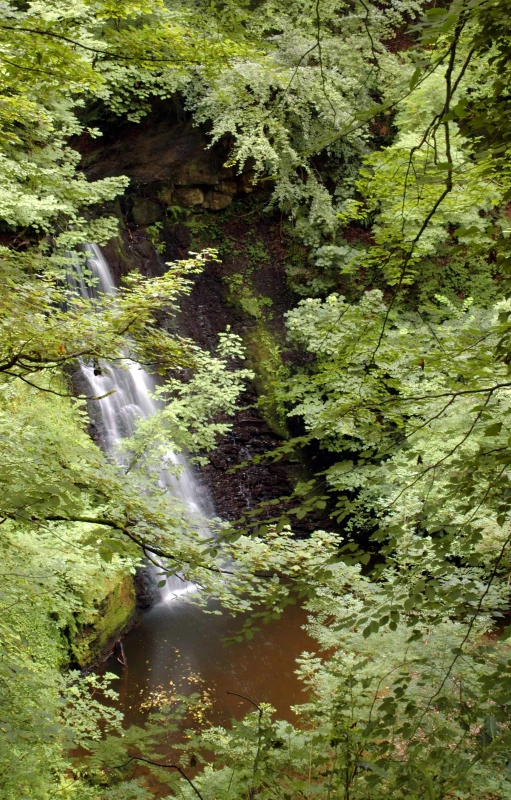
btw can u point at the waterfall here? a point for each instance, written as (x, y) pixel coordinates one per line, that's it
(116, 415)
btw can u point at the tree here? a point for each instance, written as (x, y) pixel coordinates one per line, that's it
(408, 394)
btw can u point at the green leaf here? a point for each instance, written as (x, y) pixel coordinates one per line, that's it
(106, 554)
(415, 78)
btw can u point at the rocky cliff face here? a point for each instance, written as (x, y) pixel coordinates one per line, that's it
(169, 162)
(181, 198)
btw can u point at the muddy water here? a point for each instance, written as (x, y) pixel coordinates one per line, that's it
(176, 646)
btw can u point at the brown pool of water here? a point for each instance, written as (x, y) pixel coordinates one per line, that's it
(177, 646)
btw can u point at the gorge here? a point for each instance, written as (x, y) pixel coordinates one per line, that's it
(176, 644)
(255, 453)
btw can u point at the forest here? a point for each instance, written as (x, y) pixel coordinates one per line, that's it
(255, 366)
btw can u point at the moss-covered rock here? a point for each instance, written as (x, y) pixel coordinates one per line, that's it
(113, 610)
(145, 212)
(264, 348)
(264, 357)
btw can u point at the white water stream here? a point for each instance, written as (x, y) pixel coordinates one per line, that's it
(116, 415)
(176, 645)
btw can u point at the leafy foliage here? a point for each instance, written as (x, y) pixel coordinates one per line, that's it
(410, 401)
(405, 390)
(63, 502)
(299, 93)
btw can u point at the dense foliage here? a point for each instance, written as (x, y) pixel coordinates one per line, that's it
(62, 499)
(385, 135)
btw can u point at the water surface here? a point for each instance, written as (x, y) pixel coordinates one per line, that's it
(178, 646)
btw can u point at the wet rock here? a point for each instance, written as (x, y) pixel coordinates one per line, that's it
(189, 196)
(145, 588)
(164, 147)
(200, 170)
(166, 195)
(227, 187)
(216, 201)
(145, 212)
(234, 492)
(246, 182)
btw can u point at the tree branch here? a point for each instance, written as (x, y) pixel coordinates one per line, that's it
(107, 53)
(259, 725)
(163, 766)
(60, 394)
(126, 531)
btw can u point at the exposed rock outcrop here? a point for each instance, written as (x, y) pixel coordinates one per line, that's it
(165, 148)
(170, 163)
(97, 631)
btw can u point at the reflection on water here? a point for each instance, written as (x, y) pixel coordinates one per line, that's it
(178, 645)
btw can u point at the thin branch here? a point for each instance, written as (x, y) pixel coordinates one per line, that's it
(413, 398)
(444, 458)
(135, 539)
(60, 394)
(370, 36)
(320, 56)
(107, 53)
(356, 125)
(163, 766)
(448, 180)
(259, 724)
(29, 69)
(235, 694)
(459, 650)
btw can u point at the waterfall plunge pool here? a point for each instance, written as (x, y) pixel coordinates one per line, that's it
(176, 647)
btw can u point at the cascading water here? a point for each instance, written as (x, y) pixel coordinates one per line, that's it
(129, 389)
(176, 646)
